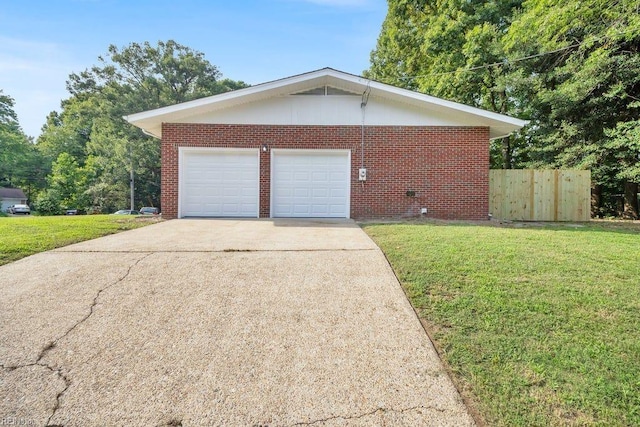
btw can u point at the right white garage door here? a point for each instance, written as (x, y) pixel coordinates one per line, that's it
(310, 183)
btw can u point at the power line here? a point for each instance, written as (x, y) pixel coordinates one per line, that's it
(505, 62)
(494, 64)
(511, 61)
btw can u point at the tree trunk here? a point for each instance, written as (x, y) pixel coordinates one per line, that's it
(630, 200)
(507, 153)
(596, 201)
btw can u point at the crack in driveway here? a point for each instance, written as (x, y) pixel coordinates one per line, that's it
(366, 414)
(52, 344)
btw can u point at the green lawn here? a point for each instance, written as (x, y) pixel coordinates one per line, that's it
(539, 325)
(24, 236)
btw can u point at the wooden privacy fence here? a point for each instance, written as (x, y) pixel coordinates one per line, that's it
(540, 195)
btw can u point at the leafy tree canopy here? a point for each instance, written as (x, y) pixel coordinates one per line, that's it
(19, 161)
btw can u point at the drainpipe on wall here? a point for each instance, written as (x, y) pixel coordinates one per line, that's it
(362, 175)
(131, 182)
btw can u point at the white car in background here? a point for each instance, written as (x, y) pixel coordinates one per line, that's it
(19, 210)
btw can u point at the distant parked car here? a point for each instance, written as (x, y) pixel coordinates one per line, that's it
(126, 212)
(19, 209)
(147, 210)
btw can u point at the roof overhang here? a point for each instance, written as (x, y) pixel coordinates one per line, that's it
(151, 121)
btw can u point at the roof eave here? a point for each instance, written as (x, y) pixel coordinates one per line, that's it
(151, 121)
(267, 87)
(495, 133)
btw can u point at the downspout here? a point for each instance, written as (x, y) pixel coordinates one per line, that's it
(131, 177)
(363, 106)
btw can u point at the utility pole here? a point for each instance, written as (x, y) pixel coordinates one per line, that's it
(131, 182)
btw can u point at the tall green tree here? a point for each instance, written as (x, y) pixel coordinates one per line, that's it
(20, 163)
(65, 185)
(90, 127)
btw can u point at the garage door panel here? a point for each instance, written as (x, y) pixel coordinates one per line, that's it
(286, 176)
(282, 210)
(248, 207)
(319, 193)
(301, 209)
(319, 177)
(301, 176)
(219, 183)
(310, 183)
(319, 211)
(231, 208)
(301, 192)
(213, 208)
(285, 192)
(230, 192)
(335, 212)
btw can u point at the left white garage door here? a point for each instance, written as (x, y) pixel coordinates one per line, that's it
(219, 182)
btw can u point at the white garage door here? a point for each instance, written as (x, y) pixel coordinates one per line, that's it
(219, 182)
(310, 183)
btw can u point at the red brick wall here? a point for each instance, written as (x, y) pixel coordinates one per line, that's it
(446, 167)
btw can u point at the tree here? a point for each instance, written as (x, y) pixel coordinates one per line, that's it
(68, 181)
(90, 127)
(67, 186)
(20, 163)
(624, 144)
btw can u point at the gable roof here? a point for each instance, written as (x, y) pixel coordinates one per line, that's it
(12, 193)
(150, 122)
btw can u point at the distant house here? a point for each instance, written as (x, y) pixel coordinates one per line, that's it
(11, 196)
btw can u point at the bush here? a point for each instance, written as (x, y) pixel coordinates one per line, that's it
(48, 203)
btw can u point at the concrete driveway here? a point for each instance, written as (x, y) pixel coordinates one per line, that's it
(217, 322)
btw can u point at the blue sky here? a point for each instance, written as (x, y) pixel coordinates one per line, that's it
(42, 42)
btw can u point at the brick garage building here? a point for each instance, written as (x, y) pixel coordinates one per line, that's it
(324, 144)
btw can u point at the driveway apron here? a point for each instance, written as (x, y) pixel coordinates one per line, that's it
(218, 322)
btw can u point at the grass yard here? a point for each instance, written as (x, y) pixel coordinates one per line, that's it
(24, 236)
(540, 325)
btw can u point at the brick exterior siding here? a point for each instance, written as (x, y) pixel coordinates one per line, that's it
(446, 167)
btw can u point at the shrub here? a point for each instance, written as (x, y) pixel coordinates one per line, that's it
(48, 203)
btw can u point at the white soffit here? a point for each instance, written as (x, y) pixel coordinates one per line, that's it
(151, 121)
